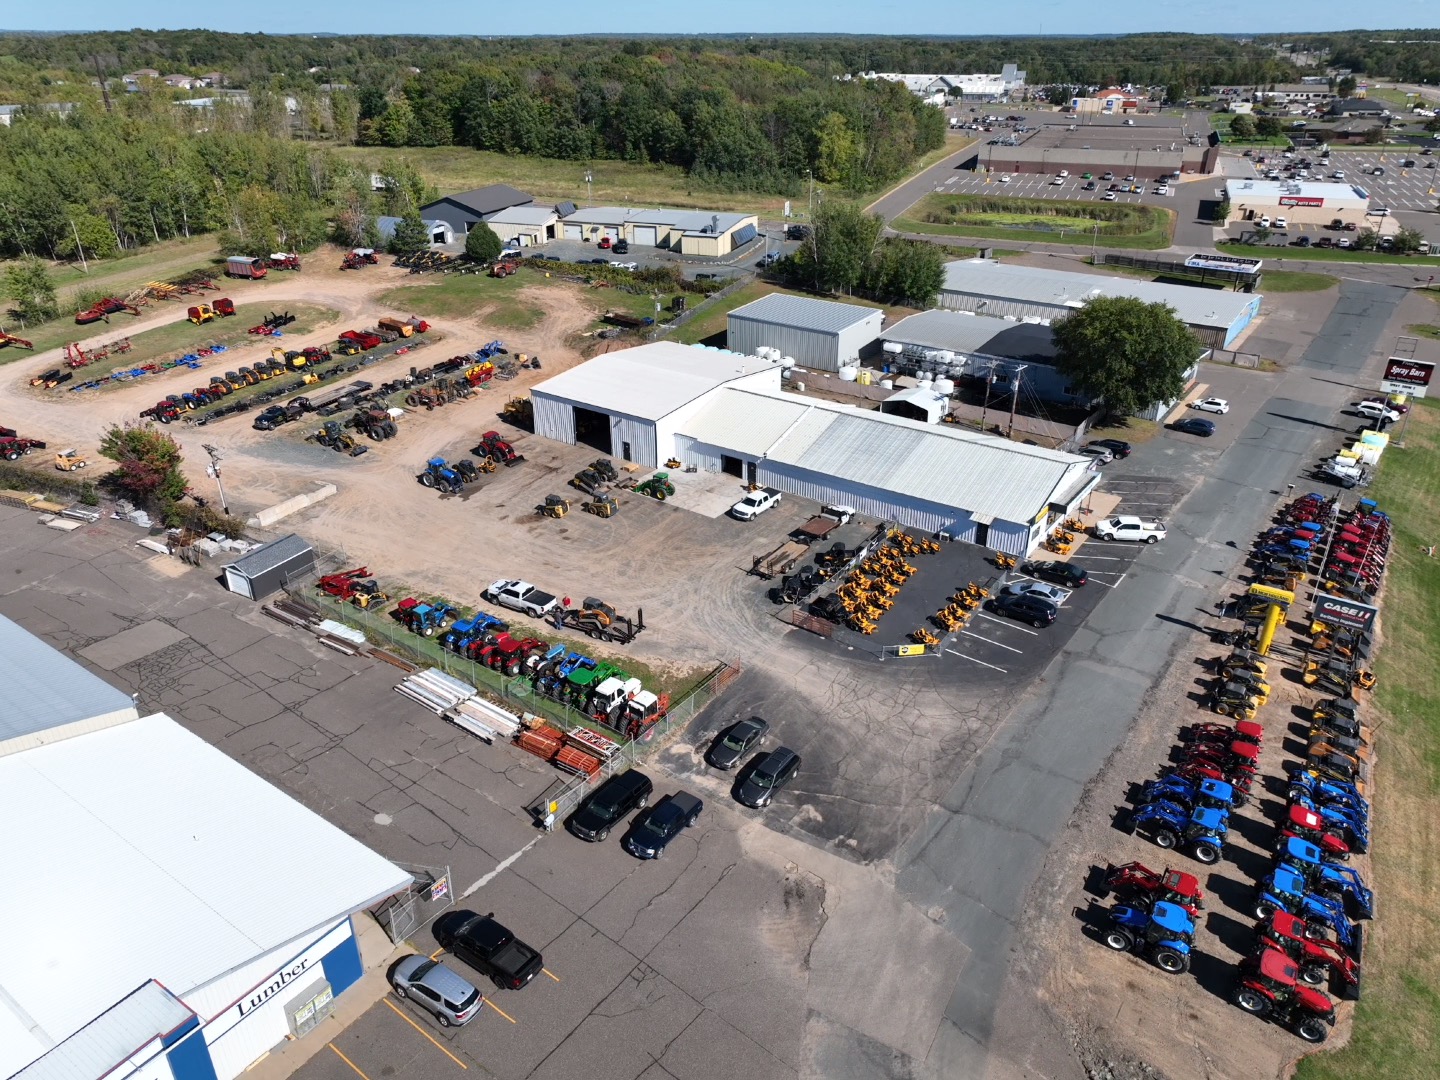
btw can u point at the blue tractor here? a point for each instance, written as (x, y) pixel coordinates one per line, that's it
(1170, 825)
(1210, 794)
(441, 477)
(1164, 934)
(1285, 890)
(1325, 790)
(552, 675)
(460, 636)
(1340, 883)
(427, 620)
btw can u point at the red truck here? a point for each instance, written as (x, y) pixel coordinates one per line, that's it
(244, 266)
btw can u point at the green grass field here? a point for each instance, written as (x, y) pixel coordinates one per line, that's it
(1398, 1016)
(464, 295)
(1288, 281)
(1423, 330)
(1040, 221)
(176, 339)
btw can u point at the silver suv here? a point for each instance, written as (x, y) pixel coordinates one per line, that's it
(433, 985)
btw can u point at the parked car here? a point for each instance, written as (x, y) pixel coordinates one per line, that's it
(1061, 573)
(436, 988)
(1376, 410)
(1109, 196)
(652, 833)
(1108, 176)
(1211, 405)
(1193, 425)
(1035, 610)
(620, 247)
(1059, 181)
(736, 741)
(489, 948)
(1303, 241)
(1026, 587)
(1101, 454)
(1324, 242)
(1089, 185)
(1004, 178)
(1281, 224)
(1400, 407)
(768, 774)
(769, 258)
(605, 243)
(1119, 447)
(602, 808)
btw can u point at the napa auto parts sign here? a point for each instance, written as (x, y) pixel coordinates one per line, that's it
(1300, 200)
(1407, 376)
(1338, 611)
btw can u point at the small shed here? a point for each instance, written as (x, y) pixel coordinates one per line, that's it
(270, 567)
(917, 403)
(818, 334)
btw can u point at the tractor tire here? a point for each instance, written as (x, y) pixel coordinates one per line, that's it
(1296, 793)
(427, 480)
(512, 668)
(1119, 939)
(165, 418)
(1238, 799)
(1222, 708)
(1208, 854)
(390, 430)
(1252, 1001)
(1264, 909)
(1171, 961)
(1312, 1029)
(427, 631)
(1166, 838)
(1314, 974)
(12, 455)
(660, 496)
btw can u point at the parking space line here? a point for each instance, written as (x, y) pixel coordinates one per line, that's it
(1009, 623)
(348, 1061)
(952, 652)
(437, 954)
(551, 974)
(1102, 558)
(498, 1009)
(997, 644)
(400, 1013)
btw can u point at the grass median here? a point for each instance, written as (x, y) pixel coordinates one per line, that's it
(1282, 253)
(1045, 221)
(1398, 1015)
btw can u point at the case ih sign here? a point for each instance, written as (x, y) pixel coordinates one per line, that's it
(1300, 200)
(1347, 613)
(1407, 377)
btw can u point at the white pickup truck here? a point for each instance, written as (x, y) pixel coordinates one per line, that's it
(756, 503)
(520, 596)
(1129, 527)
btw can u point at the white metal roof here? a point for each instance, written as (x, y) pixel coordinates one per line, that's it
(524, 215)
(44, 689)
(988, 278)
(650, 381)
(992, 478)
(745, 423)
(804, 313)
(965, 332)
(148, 1013)
(1332, 192)
(149, 854)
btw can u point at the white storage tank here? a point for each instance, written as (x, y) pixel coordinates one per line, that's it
(944, 387)
(848, 372)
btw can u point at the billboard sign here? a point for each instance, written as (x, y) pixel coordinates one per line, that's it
(1337, 611)
(1403, 376)
(1238, 263)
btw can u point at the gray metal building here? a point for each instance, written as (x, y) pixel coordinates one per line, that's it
(818, 334)
(462, 211)
(270, 567)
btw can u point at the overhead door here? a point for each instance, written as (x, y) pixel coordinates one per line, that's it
(612, 231)
(572, 232)
(646, 234)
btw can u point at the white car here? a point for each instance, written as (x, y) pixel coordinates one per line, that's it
(1035, 588)
(1374, 410)
(1059, 181)
(1281, 223)
(1343, 242)
(1109, 196)
(1063, 173)
(1263, 223)
(1100, 453)
(1212, 404)
(1163, 189)
(625, 265)
(1338, 174)
(1005, 178)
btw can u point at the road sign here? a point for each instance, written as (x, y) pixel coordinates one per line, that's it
(1403, 376)
(910, 650)
(1350, 614)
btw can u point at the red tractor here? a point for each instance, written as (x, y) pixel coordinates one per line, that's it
(510, 654)
(103, 309)
(344, 585)
(281, 260)
(167, 412)
(1140, 886)
(12, 446)
(504, 268)
(1270, 986)
(11, 339)
(499, 451)
(1318, 958)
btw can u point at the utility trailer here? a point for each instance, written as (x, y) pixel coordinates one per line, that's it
(780, 561)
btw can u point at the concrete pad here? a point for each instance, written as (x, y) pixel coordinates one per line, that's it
(692, 1055)
(130, 645)
(709, 494)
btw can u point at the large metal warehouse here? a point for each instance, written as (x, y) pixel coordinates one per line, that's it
(1007, 290)
(627, 403)
(818, 334)
(689, 232)
(192, 916)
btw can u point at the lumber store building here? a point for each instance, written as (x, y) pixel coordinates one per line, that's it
(725, 413)
(1148, 147)
(199, 916)
(1011, 291)
(818, 334)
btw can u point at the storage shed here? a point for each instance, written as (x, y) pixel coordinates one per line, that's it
(916, 403)
(690, 232)
(818, 334)
(530, 225)
(270, 567)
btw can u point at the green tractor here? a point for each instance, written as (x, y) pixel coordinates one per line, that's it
(657, 487)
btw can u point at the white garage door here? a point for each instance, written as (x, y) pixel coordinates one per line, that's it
(612, 231)
(572, 232)
(646, 234)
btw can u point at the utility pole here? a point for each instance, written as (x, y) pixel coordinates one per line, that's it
(811, 177)
(589, 179)
(104, 90)
(79, 247)
(1016, 371)
(985, 402)
(213, 469)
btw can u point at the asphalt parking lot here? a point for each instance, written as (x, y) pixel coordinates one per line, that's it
(1416, 188)
(1038, 186)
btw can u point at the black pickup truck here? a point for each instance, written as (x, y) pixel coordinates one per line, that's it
(489, 948)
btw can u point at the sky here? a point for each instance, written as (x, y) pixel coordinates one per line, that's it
(732, 16)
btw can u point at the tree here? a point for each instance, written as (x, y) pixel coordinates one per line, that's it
(1365, 240)
(1407, 240)
(1058, 95)
(28, 286)
(1346, 86)
(1433, 125)
(481, 243)
(1129, 353)
(1243, 127)
(410, 235)
(909, 272)
(1174, 93)
(1269, 126)
(836, 150)
(1374, 136)
(1222, 210)
(841, 243)
(149, 460)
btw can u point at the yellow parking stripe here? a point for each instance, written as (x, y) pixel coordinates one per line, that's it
(349, 1062)
(551, 974)
(398, 1012)
(501, 1011)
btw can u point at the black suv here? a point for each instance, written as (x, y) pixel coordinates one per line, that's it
(1035, 610)
(489, 948)
(620, 247)
(651, 832)
(610, 802)
(768, 774)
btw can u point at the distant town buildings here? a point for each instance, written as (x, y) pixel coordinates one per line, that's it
(940, 88)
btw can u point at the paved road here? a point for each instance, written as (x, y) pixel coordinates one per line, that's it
(895, 201)
(979, 852)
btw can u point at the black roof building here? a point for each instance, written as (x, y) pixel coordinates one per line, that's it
(462, 211)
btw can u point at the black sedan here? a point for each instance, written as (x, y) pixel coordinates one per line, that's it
(489, 948)
(1195, 426)
(1035, 610)
(1119, 447)
(736, 741)
(1061, 573)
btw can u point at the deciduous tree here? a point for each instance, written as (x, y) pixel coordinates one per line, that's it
(29, 288)
(149, 464)
(481, 243)
(1129, 353)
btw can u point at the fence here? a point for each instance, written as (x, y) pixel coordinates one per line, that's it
(430, 893)
(1170, 268)
(660, 330)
